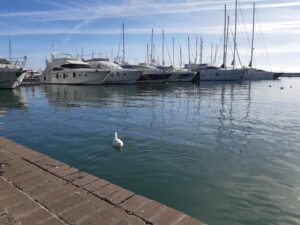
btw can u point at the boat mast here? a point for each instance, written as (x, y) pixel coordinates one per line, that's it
(189, 50)
(225, 40)
(252, 45)
(163, 48)
(151, 47)
(123, 35)
(9, 45)
(201, 49)
(173, 44)
(227, 33)
(180, 53)
(211, 53)
(196, 50)
(147, 57)
(235, 26)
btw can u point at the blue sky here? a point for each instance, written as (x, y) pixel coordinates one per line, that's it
(95, 25)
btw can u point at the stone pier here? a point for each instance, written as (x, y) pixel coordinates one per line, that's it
(38, 190)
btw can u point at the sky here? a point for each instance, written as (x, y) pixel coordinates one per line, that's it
(95, 26)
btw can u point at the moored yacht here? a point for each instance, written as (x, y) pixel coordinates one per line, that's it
(212, 73)
(66, 69)
(257, 74)
(151, 73)
(118, 75)
(11, 73)
(32, 77)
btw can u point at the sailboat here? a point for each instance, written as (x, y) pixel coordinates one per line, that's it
(212, 73)
(253, 73)
(118, 75)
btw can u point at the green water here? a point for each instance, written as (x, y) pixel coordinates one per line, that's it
(226, 153)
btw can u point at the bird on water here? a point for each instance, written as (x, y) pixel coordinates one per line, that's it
(117, 143)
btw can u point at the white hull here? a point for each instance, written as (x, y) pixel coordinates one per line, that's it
(11, 79)
(254, 74)
(219, 74)
(123, 76)
(84, 76)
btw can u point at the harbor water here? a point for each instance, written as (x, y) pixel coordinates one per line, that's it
(224, 152)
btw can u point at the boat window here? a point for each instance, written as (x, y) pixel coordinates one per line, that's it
(44, 78)
(57, 69)
(75, 66)
(64, 76)
(124, 74)
(57, 76)
(85, 75)
(118, 74)
(74, 74)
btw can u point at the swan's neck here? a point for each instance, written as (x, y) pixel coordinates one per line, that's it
(116, 136)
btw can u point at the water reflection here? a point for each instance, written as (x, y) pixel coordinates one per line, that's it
(231, 148)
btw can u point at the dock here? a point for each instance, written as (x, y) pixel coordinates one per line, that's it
(38, 190)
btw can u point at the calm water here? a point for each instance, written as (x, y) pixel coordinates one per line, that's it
(226, 153)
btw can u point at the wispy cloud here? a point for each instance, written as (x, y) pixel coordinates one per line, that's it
(79, 11)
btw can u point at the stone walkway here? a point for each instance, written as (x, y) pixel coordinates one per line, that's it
(38, 190)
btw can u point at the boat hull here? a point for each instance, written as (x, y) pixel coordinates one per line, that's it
(123, 77)
(254, 74)
(219, 74)
(11, 79)
(88, 77)
(154, 78)
(181, 77)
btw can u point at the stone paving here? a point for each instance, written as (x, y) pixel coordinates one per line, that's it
(38, 190)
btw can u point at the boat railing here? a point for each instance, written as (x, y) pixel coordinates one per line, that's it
(19, 62)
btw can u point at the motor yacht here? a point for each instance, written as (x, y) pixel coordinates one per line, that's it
(66, 69)
(151, 73)
(118, 75)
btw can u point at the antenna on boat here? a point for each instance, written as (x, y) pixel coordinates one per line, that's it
(52, 46)
(81, 53)
(252, 44)
(163, 48)
(123, 35)
(235, 26)
(173, 45)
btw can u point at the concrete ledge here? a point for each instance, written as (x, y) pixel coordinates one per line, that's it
(36, 189)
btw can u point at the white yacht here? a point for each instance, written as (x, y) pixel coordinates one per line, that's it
(151, 73)
(11, 73)
(211, 73)
(118, 75)
(32, 77)
(257, 74)
(66, 69)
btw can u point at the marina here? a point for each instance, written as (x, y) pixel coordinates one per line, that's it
(222, 152)
(149, 113)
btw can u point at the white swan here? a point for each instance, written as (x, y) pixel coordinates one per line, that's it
(117, 143)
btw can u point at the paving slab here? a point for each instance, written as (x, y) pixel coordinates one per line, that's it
(36, 189)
